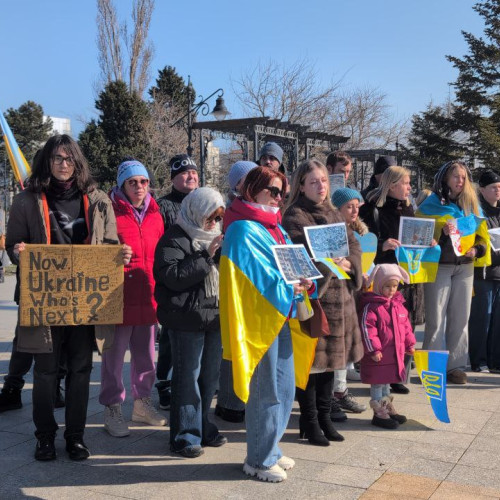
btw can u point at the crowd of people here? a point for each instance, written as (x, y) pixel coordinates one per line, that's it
(201, 278)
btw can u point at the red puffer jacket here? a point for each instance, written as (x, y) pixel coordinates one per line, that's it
(139, 305)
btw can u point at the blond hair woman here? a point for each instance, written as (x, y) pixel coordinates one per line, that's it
(448, 299)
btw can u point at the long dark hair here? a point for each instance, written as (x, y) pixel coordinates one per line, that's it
(40, 177)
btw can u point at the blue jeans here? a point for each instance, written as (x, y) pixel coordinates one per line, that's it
(484, 324)
(226, 398)
(272, 390)
(196, 360)
(378, 391)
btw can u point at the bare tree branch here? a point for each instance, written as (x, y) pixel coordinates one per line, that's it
(108, 42)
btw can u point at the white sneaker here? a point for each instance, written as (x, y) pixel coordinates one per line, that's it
(145, 412)
(274, 475)
(114, 423)
(286, 463)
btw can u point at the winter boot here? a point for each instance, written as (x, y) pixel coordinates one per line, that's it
(308, 424)
(10, 399)
(381, 416)
(400, 419)
(324, 384)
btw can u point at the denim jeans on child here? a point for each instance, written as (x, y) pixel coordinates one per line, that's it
(196, 360)
(378, 391)
(269, 405)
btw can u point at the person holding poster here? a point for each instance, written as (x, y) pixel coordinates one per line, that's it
(309, 205)
(382, 212)
(448, 299)
(140, 225)
(258, 333)
(61, 205)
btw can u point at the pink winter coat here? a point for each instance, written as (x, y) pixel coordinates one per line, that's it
(139, 305)
(385, 327)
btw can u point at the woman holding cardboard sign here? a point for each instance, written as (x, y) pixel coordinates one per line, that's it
(309, 205)
(60, 205)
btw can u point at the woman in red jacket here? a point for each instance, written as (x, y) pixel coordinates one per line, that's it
(140, 225)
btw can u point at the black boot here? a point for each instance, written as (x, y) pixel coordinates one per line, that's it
(324, 385)
(10, 399)
(308, 424)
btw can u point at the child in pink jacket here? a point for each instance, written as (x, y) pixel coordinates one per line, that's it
(387, 335)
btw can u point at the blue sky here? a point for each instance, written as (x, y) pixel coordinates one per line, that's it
(49, 53)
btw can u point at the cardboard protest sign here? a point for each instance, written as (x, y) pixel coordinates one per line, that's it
(71, 285)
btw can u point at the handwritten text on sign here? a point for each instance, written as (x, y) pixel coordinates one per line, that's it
(71, 285)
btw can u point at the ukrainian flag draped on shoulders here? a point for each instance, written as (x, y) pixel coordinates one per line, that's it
(470, 226)
(254, 304)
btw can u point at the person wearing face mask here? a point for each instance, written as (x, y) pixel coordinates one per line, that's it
(229, 407)
(448, 298)
(184, 176)
(61, 206)
(484, 321)
(309, 205)
(187, 293)
(256, 306)
(382, 212)
(140, 226)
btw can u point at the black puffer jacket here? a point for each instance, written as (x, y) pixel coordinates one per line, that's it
(386, 225)
(493, 220)
(179, 271)
(170, 206)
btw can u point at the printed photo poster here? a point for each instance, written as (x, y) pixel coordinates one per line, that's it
(416, 232)
(336, 181)
(495, 238)
(294, 263)
(327, 242)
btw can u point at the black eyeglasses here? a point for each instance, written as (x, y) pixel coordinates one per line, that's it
(136, 182)
(58, 160)
(274, 191)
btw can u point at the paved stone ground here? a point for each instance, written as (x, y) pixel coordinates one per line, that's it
(423, 459)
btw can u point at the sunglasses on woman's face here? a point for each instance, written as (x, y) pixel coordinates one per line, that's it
(136, 182)
(217, 218)
(274, 191)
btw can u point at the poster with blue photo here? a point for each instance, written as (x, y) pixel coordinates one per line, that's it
(328, 242)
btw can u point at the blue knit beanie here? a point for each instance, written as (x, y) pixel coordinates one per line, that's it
(272, 149)
(343, 195)
(239, 170)
(128, 169)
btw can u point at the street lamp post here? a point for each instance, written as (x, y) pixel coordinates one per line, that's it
(219, 112)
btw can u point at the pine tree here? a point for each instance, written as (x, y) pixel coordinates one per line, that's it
(120, 131)
(171, 89)
(28, 127)
(432, 141)
(477, 110)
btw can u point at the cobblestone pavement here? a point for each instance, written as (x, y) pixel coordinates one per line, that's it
(422, 459)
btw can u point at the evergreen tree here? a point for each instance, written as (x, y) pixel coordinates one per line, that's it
(119, 131)
(478, 87)
(432, 141)
(28, 127)
(171, 89)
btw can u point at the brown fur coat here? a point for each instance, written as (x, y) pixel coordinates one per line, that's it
(336, 296)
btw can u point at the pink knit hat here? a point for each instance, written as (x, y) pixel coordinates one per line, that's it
(382, 273)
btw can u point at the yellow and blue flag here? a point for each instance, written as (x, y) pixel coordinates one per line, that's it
(472, 226)
(254, 304)
(334, 268)
(431, 367)
(421, 264)
(368, 243)
(20, 166)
